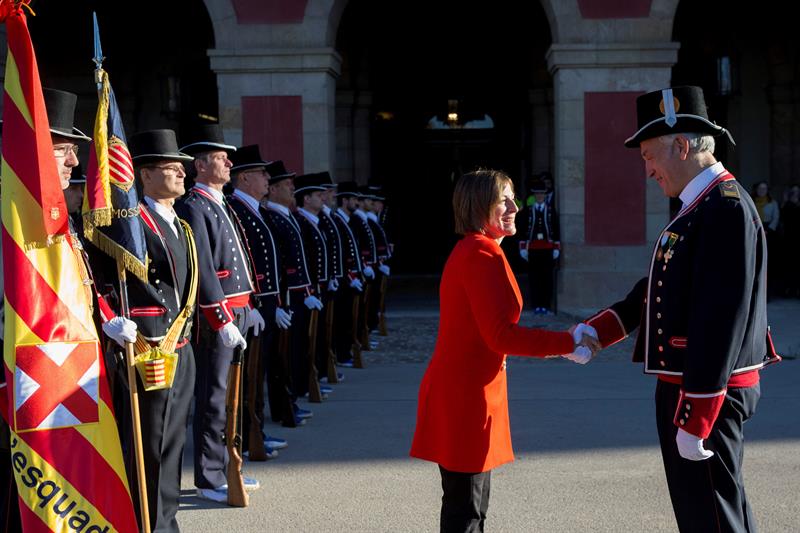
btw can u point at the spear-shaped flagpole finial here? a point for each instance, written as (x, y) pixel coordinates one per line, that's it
(98, 54)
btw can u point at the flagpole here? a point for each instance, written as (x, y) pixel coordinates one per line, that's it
(141, 481)
(134, 398)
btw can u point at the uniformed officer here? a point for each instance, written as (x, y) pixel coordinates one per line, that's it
(309, 195)
(541, 248)
(344, 322)
(701, 313)
(162, 309)
(224, 299)
(295, 284)
(370, 196)
(251, 185)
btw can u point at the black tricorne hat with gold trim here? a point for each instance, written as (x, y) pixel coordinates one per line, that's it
(673, 110)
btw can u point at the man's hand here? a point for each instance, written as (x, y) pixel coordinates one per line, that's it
(255, 321)
(231, 336)
(312, 302)
(556, 253)
(384, 269)
(282, 319)
(356, 284)
(581, 355)
(120, 330)
(369, 273)
(691, 447)
(523, 254)
(333, 285)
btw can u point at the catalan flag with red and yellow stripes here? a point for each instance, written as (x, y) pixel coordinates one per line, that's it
(65, 449)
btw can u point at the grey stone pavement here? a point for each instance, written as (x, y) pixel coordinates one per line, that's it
(586, 448)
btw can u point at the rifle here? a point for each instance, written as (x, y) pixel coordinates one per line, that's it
(283, 353)
(255, 390)
(382, 331)
(358, 360)
(333, 375)
(314, 394)
(237, 497)
(364, 327)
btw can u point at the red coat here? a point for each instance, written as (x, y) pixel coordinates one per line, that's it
(462, 415)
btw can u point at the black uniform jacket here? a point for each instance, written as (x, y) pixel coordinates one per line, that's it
(364, 239)
(702, 311)
(542, 226)
(155, 305)
(334, 241)
(294, 272)
(225, 282)
(382, 251)
(350, 256)
(316, 249)
(262, 247)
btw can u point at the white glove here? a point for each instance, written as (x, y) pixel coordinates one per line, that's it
(232, 337)
(581, 330)
(524, 254)
(333, 285)
(255, 321)
(312, 302)
(282, 318)
(356, 284)
(384, 269)
(120, 330)
(581, 355)
(369, 273)
(556, 253)
(691, 447)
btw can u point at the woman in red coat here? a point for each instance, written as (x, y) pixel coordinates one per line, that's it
(462, 415)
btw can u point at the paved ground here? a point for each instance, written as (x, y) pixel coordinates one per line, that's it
(585, 440)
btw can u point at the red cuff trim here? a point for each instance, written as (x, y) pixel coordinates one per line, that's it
(697, 412)
(106, 313)
(609, 327)
(217, 314)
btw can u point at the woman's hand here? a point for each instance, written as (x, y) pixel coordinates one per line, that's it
(586, 344)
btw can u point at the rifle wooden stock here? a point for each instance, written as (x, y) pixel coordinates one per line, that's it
(364, 327)
(358, 360)
(237, 496)
(255, 390)
(382, 331)
(333, 375)
(314, 394)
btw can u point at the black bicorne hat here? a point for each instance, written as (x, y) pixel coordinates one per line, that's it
(308, 182)
(673, 110)
(326, 180)
(277, 172)
(347, 188)
(375, 192)
(205, 138)
(247, 157)
(155, 145)
(60, 107)
(538, 186)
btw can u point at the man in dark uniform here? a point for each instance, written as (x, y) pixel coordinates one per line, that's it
(251, 185)
(351, 259)
(336, 262)
(370, 195)
(351, 204)
(224, 298)
(701, 313)
(541, 249)
(295, 284)
(162, 309)
(309, 196)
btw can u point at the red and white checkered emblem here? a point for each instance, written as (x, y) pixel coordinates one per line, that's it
(56, 385)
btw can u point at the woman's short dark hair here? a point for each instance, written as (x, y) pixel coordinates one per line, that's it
(474, 196)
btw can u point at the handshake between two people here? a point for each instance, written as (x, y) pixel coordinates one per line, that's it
(586, 344)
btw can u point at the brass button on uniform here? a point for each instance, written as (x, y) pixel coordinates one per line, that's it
(660, 283)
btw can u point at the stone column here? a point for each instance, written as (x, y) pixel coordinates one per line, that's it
(598, 269)
(353, 157)
(283, 99)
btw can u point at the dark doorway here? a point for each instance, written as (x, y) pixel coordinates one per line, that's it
(416, 62)
(155, 57)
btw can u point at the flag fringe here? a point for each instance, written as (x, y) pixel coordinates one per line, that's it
(99, 217)
(37, 245)
(120, 254)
